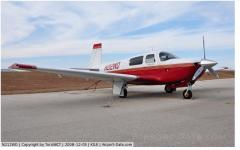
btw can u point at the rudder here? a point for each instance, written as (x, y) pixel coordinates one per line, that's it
(96, 57)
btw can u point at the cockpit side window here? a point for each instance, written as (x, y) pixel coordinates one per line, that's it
(136, 61)
(150, 58)
(166, 56)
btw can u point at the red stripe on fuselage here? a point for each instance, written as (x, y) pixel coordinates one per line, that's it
(161, 74)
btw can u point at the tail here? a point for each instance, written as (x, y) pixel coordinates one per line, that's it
(96, 57)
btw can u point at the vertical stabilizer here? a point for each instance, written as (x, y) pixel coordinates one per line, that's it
(96, 57)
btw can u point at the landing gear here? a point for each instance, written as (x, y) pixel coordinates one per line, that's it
(120, 89)
(187, 94)
(124, 93)
(168, 89)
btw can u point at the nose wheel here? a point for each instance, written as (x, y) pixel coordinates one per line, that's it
(187, 94)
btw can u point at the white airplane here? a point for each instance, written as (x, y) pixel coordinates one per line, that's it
(152, 68)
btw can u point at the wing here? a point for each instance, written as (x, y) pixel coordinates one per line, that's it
(78, 73)
(90, 69)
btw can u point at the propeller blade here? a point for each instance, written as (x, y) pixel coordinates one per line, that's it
(213, 72)
(198, 73)
(204, 55)
(205, 64)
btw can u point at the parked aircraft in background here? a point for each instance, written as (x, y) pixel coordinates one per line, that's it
(152, 68)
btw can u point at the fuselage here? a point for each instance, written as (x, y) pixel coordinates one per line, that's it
(155, 68)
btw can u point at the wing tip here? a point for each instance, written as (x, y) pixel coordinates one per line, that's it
(22, 66)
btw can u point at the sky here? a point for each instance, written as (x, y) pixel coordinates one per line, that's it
(61, 34)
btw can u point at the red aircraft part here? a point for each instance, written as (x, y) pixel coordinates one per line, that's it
(22, 66)
(163, 74)
(97, 45)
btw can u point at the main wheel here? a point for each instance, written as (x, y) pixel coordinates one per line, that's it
(168, 89)
(124, 93)
(187, 94)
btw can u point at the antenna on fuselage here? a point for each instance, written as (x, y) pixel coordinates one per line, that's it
(204, 55)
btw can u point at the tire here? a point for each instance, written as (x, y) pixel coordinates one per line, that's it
(124, 93)
(187, 94)
(168, 89)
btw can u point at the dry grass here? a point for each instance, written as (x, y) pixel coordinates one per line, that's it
(35, 82)
(222, 75)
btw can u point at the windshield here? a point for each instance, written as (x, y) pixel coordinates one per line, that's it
(166, 56)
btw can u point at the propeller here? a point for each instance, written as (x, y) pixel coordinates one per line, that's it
(206, 64)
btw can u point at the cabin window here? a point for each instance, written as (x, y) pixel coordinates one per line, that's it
(166, 56)
(150, 59)
(136, 61)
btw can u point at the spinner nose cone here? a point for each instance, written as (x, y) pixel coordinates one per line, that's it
(208, 63)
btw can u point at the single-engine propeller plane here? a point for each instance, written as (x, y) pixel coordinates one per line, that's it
(152, 68)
